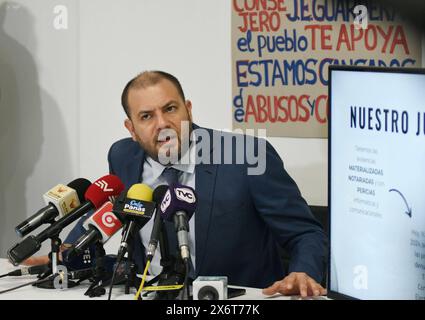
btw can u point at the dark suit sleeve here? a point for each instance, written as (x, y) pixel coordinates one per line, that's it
(110, 152)
(280, 204)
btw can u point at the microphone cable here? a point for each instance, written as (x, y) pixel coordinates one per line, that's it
(118, 262)
(39, 281)
(113, 278)
(26, 271)
(136, 297)
(186, 292)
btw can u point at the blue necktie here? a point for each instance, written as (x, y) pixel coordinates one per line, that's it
(171, 175)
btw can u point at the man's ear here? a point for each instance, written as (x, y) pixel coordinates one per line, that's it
(189, 109)
(129, 125)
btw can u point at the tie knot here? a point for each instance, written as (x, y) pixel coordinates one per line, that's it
(171, 175)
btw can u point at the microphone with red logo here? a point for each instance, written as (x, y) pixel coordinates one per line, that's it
(100, 226)
(102, 190)
(60, 200)
(178, 205)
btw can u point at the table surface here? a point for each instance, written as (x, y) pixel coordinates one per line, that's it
(77, 293)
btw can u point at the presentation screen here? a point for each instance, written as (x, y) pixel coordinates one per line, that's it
(377, 183)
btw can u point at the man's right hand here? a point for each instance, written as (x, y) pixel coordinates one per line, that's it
(35, 261)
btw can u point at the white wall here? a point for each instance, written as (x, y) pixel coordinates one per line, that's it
(39, 105)
(60, 90)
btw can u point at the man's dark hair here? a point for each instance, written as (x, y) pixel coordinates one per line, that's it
(146, 79)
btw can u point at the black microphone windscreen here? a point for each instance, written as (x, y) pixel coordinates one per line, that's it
(159, 193)
(80, 185)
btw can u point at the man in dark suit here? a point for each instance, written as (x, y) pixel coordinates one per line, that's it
(240, 218)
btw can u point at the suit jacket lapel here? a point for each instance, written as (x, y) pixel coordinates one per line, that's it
(205, 183)
(134, 170)
(204, 186)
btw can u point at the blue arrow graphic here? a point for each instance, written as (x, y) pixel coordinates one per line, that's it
(409, 209)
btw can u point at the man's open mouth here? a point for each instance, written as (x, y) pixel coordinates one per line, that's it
(165, 140)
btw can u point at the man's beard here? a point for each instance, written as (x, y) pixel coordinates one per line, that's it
(169, 151)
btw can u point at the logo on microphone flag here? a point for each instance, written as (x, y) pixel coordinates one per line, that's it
(185, 194)
(102, 184)
(105, 220)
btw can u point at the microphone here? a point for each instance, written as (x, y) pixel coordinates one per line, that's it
(178, 205)
(158, 195)
(28, 271)
(136, 209)
(60, 200)
(100, 226)
(104, 189)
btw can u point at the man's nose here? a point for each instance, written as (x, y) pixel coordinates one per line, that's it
(161, 121)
